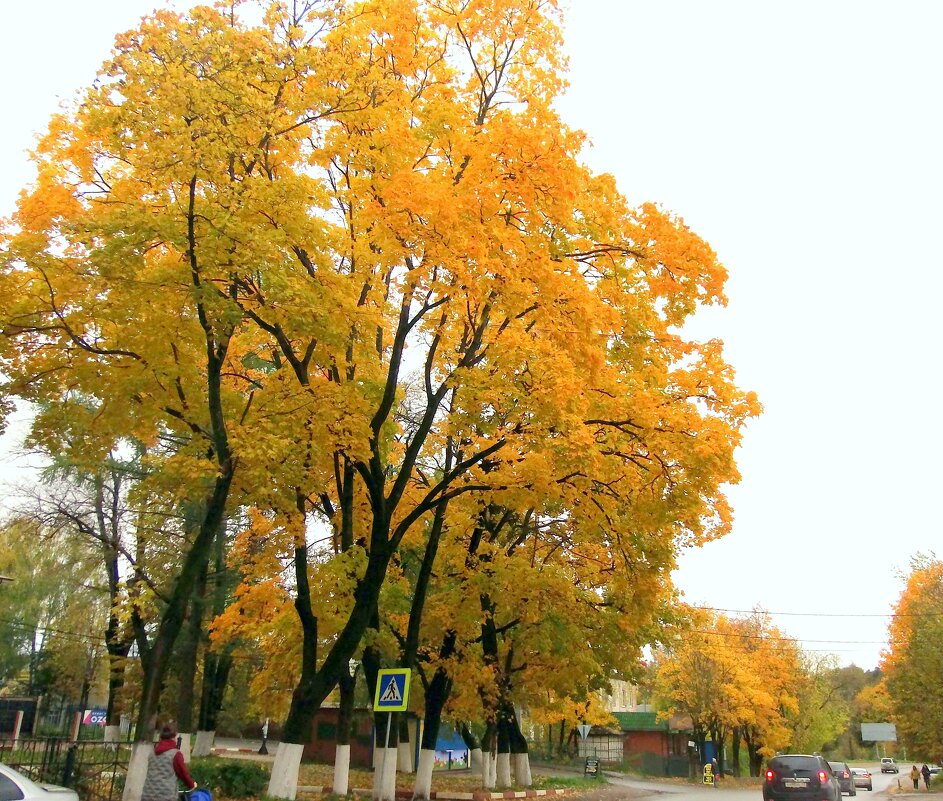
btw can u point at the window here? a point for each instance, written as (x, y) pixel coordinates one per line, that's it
(9, 789)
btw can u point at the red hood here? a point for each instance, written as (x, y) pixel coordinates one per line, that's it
(164, 745)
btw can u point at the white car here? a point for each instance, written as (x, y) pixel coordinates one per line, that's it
(14, 786)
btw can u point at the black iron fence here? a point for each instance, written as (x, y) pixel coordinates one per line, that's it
(95, 770)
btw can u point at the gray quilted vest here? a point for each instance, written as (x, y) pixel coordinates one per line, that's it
(161, 781)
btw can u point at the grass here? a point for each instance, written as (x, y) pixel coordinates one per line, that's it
(316, 775)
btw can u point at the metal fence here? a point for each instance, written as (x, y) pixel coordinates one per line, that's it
(95, 770)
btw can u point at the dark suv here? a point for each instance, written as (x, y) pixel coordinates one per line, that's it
(800, 777)
(845, 779)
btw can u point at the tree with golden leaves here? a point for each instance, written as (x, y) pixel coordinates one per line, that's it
(383, 281)
(737, 678)
(912, 665)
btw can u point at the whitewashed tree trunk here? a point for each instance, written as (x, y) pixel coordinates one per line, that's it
(404, 757)
(378, 759)
(341, 769)
(522, 776)
(423, 785)
(112, 734)
(204, 743)
(475, 762)
(488, 772)
(184, 738)
(284, 781)
(137, 772)
(384, 775)
(503, 768)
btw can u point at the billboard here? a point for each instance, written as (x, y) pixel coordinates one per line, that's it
(879, 732)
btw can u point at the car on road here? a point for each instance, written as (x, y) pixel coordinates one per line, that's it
(800, 777)
(862, 778)
(14, 786)
(888, 765)
(845, 780)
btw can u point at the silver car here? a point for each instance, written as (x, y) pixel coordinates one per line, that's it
(862, 777)
(14, 786)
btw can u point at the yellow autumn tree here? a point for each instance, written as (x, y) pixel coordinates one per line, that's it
(738, 679)
(911, 664)
(766, 699)
(383, 282)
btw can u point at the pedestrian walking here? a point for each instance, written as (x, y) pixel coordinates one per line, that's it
(925, 770)
(714, 770)
(165, 765)
(915, 777)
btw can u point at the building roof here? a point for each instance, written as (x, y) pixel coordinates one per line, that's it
(640, 721)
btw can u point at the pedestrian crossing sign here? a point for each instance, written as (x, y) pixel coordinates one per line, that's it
(392, 692)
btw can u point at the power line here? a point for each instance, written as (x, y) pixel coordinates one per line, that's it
(818, 614)
(745, 636)
(30, 627)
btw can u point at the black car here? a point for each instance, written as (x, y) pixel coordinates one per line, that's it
(846, 779)
(800, 777)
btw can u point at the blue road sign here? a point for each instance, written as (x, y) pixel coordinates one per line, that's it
(392, 692)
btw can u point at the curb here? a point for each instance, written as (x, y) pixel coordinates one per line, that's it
(234, 751)
(447, 795)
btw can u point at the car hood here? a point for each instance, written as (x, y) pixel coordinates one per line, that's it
(55, 789)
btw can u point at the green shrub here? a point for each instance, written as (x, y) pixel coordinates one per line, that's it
(230, 778)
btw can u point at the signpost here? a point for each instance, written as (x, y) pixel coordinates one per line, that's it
(878, 733)
(708, 773)
(392, 695)
(591, 765)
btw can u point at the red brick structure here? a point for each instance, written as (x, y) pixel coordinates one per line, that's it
(324, 738)
(653, 746)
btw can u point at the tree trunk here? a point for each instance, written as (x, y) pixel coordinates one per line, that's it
(117, 645)
(755, 757)
(172, 620)
(187, 653)
(213, 505)
(520, 756)
(284, 781)
(437, 694)
(489, 757)
(474, 749)
(735, 750)
(316, 683)
(216, 665)
(117, 662)
(503, 778)
(386, 731)
(404, 751)
(345, 720)
(216, 669)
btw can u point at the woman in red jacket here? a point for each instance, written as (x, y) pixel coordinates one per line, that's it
(165, 764)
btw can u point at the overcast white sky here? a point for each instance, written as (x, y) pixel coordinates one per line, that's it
(802, 140)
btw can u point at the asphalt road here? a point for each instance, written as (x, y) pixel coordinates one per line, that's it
(727, 791)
